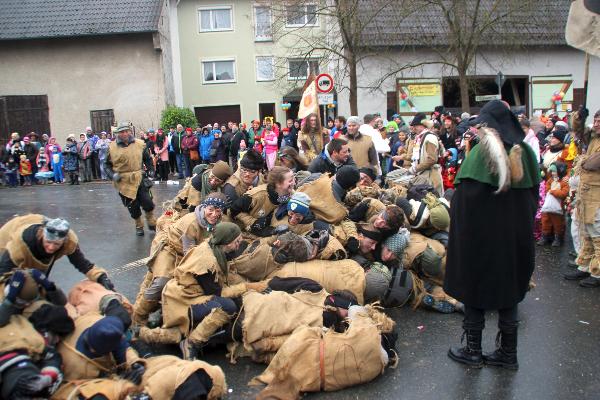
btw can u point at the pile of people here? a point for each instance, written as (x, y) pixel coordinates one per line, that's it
(298, 259)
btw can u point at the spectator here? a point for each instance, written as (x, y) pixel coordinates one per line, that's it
(71, 160)
(217, 147)
(206, 145)
(270, 135)
(94, 157)
(25, 170)
(234, 145)
(172, 158)
(531, 138)
(189, 147)
(339, 128)
(371, 128)
(11, 172)
(57, 164)
(553, 218)
(178, 150)
(293, 127)
(544, 133)
(361, 146)
(448, 133)
(31, 154)
(102, 151)
(334, 156)
(398, 151)
(83, 149)
(161, 149)
(14, 138)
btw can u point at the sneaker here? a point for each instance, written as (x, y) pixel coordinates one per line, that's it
(576, 275)
(439, 306)
(139, 231)
(590, 282)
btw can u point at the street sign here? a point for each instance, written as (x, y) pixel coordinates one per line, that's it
(324, 83)
(500, 78)
(325, 98)
(488, 97)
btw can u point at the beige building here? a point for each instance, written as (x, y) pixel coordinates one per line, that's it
(64, 69)
(236, 58)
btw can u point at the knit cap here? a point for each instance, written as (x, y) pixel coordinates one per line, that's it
(347, 177)
(216, 199)
(105, 335)
(398, 242)
(222, 170)
(299, 203)
(56, 230)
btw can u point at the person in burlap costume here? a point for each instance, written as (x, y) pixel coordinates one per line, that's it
(491, 253)
(312, 137)
(313, 359)
(254, 210)
(588, 210)
(34, 241)
(124, 165)
(386, 219)
(197, 301)
(168, 250)
(430, 216)
(361, 146)
(425, 155)
(248, 176)
(206, 179)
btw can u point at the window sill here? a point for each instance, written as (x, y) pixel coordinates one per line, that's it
(216, 30)
(218, 82)
(265, 39)
(302, 26)
(266, 80)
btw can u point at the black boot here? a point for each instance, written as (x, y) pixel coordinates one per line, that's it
(576, 275)
(505, 354)
(544, 240)
(471, 353)
(557, 242)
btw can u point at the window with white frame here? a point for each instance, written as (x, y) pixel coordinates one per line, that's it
(265, 68)
(302, 15)
(301, 68)
(221, 71)
(215, 19)
(262, 23)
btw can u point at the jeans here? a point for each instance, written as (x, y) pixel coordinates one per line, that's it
(475, 318)
(87, 169)
(200, 311)
(179, 161)
(95, 165)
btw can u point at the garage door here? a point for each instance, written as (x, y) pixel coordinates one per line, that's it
(23, 114)
(220, 114)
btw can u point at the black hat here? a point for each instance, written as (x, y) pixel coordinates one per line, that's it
(51, 318)
(498, 116)
(417, 119)
(252, 160)
(347, 177)
(370, 172)
(559, 132)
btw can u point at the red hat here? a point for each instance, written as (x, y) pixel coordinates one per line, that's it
(188, 129)
(160, 130)
(286, 129)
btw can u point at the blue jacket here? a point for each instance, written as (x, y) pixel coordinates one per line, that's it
(205, 145)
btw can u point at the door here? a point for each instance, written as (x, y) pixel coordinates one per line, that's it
(266, 110)
(23, 114)
(219, 114)
(102, 120)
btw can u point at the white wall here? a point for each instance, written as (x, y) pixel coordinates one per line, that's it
(78, 75)
(538, 61)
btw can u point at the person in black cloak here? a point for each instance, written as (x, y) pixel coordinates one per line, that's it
(491, 251)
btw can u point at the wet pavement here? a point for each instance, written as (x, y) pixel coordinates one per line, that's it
(559, 332)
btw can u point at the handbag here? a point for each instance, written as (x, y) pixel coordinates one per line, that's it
(194, 155)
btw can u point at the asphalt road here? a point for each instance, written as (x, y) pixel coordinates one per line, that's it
(558, 343)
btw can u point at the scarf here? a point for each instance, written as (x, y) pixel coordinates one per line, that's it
(199, 211)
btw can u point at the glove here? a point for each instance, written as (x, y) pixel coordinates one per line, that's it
(261, 222)
(15, 284)
(33, 385)
(359, 212)
(56, 376)
(104, 281)
(281, 229)
(42, 280)
(56, 297)
(134, 373)
(257, 286)
(116, 177)
(353, 245)
(7, 309)
(265, 232)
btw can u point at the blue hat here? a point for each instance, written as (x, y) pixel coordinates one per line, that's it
(105, 335)
(299, 203)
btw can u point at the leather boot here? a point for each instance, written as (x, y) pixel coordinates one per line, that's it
(160, 335)
(471, 353)
(142, 309)
(139, 226)
(150, 220)
(576, 275)
(202, 333)
(505, 354)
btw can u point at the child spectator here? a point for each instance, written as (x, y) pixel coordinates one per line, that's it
(43, 171)
(11, 172)
(398, 151)
(270, 143)
(57, 163)
(25, 170)
(553, 218)
(71, 160)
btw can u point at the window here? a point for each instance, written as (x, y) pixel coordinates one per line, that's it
(215, 19)
(218, 71)
(262, 26)
(300, 69)
(265, 70)
(302, 15)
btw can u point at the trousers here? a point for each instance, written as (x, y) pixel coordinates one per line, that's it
(143, 200)
(200, 311)
(553, 224)
(475, 318)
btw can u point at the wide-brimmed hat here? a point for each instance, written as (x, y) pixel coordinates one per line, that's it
(498, 116)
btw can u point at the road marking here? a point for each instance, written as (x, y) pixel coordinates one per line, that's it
(129, 266)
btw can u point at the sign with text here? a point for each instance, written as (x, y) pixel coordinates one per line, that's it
(325, 98)
(324, 83)
(418, 90)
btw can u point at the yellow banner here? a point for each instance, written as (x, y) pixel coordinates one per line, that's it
(431, 89)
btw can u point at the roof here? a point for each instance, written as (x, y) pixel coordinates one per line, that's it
(38, 19)
(541, 25)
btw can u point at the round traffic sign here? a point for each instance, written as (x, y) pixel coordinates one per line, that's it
(324, 83)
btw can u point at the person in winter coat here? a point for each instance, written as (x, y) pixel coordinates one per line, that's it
(270, 142)
(206, 145)
(101, 149)
(531, 138)
(57, 164)
(161, 149)
(85, 154)
(254, 135)
(491, 255)
(25, 170)
(218, 147)
(71, 160)
(234, 145)
(553, 214)
(334, 156)
(189, 146)
(48, 147)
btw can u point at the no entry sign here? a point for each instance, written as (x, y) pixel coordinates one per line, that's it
(324, 83)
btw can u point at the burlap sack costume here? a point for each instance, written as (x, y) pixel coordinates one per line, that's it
(127, 161)
(183, 290)
(164, 374)
(78, 366)
(87, 296)
(11, 241)
(312, 360)
(323, 203)
(254, 264)
(270, 318)
(187, 195)
(260, 206)
(19, 334)
(112, 389)
(332, 275)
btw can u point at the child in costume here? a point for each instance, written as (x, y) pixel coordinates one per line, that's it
(553, 215)
(25, 170)
(57, 163)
